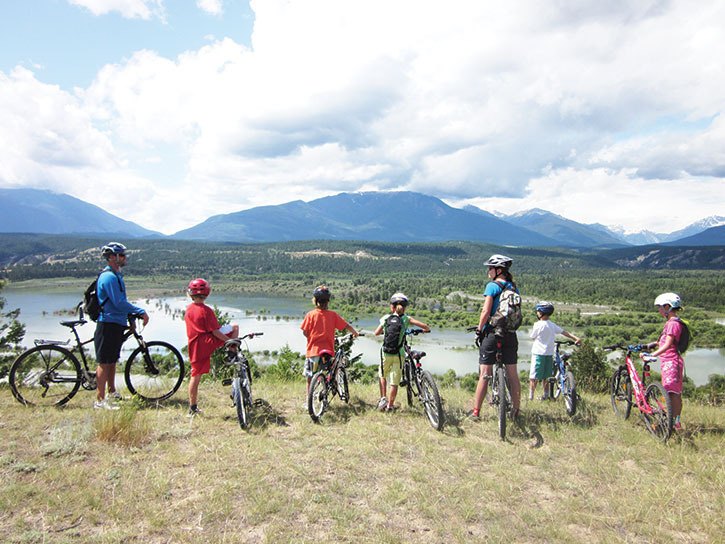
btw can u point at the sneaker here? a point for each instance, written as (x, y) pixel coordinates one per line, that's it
(104, 405)
(382, 404)
(194, 412)
(473, 416)
(114, 396)
(391, 408)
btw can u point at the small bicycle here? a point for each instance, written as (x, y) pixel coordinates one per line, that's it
(50, 373)
(419, 383)
(242, 381)
(329, 381)
(500, 389)
(562, 384)
(653, 401)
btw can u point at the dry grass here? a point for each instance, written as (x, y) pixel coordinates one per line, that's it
(360, 476)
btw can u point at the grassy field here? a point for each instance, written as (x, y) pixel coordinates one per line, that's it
(154, 476)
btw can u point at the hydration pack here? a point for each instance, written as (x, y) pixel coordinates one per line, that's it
(393, 334)
(93, 307)
(508, 315)
(685, 336)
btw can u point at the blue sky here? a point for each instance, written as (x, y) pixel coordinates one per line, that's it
(165, 113)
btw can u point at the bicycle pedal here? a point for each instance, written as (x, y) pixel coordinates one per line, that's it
(227, 381)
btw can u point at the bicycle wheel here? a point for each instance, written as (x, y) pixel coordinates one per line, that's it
(555, 386)
(570, 398)
(239, 402)
(502, 395)
(621, 392)
(408, 377)
(155, 372)
(317, 397)
(45, 376)
(659, 422)
(341, 382)
(431, 401)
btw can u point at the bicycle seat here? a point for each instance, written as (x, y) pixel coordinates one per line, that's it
(417, 355)
(74, 323)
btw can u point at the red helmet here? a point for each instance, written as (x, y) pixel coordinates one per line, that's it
(199, 286)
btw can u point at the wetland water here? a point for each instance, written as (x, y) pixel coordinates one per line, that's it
(279, 319)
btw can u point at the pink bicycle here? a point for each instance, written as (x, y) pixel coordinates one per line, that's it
(653, 401)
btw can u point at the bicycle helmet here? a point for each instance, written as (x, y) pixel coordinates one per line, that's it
(673, 299)
(199, 286)
(399, 298)
(546, 308)
(321, 294)
(499, 261)
(113, 248)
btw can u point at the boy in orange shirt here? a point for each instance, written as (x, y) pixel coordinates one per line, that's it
(319, 326)
(205, 335)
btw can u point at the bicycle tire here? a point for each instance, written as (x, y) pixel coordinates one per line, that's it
(408, 377)
(502, 402)
(621, 393)
(432, 401)
(239, 403)
(555, 386)
(159, 379)
(341, 382)
(659, 423)
(570, 397)
(317, 396)
(46, 375)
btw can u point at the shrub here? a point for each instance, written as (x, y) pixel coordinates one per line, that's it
(591, 371)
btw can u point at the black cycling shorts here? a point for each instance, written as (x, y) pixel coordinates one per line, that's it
(108, 340)
(509, 349)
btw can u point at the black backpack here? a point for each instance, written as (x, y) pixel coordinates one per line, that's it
(92, 307)
(394, 337)
(685, 336)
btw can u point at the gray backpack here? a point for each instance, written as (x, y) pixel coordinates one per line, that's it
(508, 315)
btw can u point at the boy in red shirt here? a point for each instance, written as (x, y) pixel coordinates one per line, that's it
(319, 326)
(205, 335)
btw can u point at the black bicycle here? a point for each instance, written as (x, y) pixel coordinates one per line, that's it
(50, 373)
(242, 381)
(563, 384)
(329, 381)
(499, 385)
(420, 384)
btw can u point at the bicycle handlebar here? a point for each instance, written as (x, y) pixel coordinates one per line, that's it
(635, 348)
(416, 332)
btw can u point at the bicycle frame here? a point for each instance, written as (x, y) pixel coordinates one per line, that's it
(638, 383)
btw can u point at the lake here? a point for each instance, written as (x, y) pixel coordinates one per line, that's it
(279, 319)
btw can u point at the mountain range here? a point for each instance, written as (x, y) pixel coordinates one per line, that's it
(372, 216)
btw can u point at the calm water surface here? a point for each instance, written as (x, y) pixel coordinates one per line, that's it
(279, 319)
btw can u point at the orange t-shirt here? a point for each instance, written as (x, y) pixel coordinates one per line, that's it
(200, 322)
(319, 326)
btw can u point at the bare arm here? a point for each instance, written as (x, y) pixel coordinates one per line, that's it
(669, 342)
(485, 312)
(420, 324)
(577, 340)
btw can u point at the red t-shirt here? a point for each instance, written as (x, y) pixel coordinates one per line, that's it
(319, 326)
(200, 322)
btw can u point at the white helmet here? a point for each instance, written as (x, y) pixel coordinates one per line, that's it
(673, 299)
(399, 298)
(499, 261)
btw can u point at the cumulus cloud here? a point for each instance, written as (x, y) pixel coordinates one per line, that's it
(515, 105)
(130, 9)
(214, 7)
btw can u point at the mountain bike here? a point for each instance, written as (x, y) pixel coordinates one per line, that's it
(419, 383)
(329, 381)
(563, 382)
(242, 381)
(500, 389)
(50, 373)
(652, 401)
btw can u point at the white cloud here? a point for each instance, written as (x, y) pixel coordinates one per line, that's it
(130, 9)
(213, 7)
(519, 104)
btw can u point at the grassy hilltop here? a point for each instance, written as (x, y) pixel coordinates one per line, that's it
(154, 476)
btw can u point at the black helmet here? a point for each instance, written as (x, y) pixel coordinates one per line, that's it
(321, 294)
